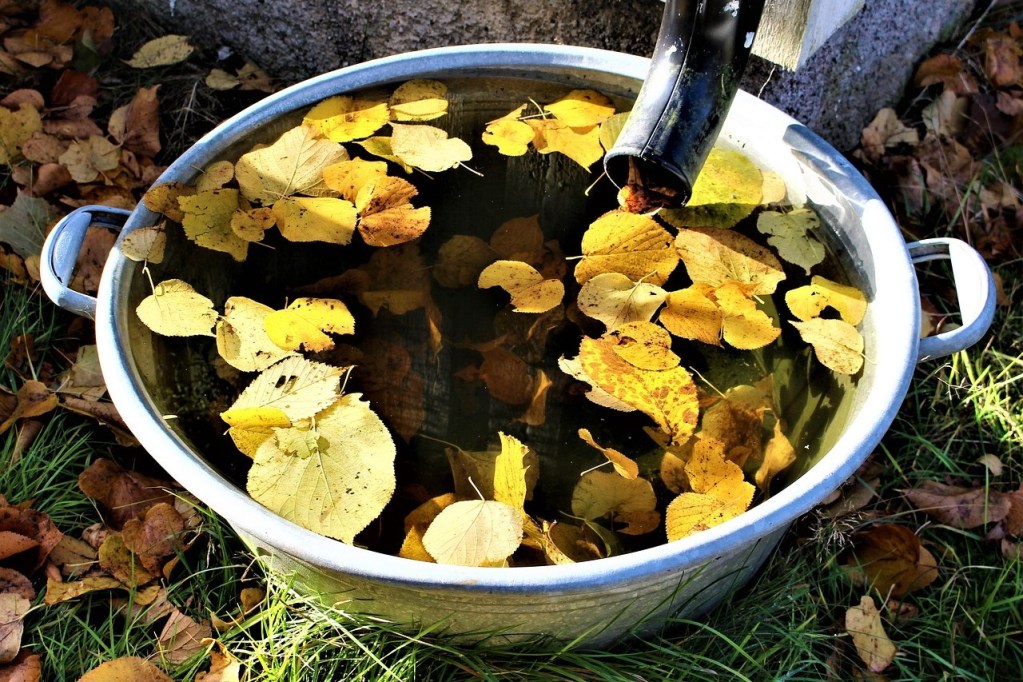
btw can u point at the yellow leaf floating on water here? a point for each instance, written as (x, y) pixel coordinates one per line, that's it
(251, 224)
(176, 309)
(207, 221)
(744, 325)
(510, 468)
(333, 478)
(343, 118)
(792, 235)
(510, 135)
(297, 387)
(807, 302)
(623, 465)
(713, 255)
(529, 291)
(668, 397)
(475, 471)
(428, 148)
(386, 214)
(630, 244)
(304, 323)
(610, 128)
(582, 145)
(474, 533)
(145, 243)
(381, 147)
(719, 493)
(727, 190)
(574, 368)
(599, 494)
(836, 343)
(778, 456)
(250, 427)
(351, 175)
(614, 299)
(692, 313)
(242, 339)
(582, 108)
(315, 219)
(644, 345)
(292, 165)
(163, 199)
(214, 176)
(419, 100)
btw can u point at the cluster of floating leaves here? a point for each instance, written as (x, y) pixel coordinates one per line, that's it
(324, 459)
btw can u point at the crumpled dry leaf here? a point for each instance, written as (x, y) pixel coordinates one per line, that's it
(23, 225)
(16, 127)
(13, 608)
(224, 667)
(884, 132)
(136, 126)
(386, 214)
(182, 637)
(124, 494)
(957, 506)
(145, 243)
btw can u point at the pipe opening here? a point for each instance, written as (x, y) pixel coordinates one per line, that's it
(647, 184)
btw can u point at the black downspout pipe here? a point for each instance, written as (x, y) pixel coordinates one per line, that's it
(701, 52)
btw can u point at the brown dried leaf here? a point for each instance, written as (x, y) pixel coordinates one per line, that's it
(57, 592)
(13, 608)
(182, 637)
(959, 507)
(155, 537)
(123, 493)
(136, 126)
(124, 669)
(15, 582)
(948, 70)
(25, 667)
(890, 559)
(884, 132)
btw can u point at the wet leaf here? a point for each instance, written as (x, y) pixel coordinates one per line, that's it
(242, 339)
(511, 136)
(600, 494)
(957, 506)
(474, 533)
(344, 118)
(693, 313)
(419, 100)
(863, 623)
(744, 325)
(582, 145)
(250, 427)
(297, 387)
(507, 376)
(460, 261)
(480, 466)
(315, 219)
(778, 456)
(890, 559)
(668, 397)
(215, 176)
(176, 309)
(529, 291)
(630, 244)
(792, 234)
(163, 199)
(292, 165)
(381, 147)
(251, 225)
(428, 148)
(519, 239)
(714, 256)
(386, 214)
(623, 465)
(616, 300)
(719, 493)
(836, 343)
(304, 323)
(341, 478)
(206, 219)
(809, 301)
(145, 244)
(610, 128)
(163, 51)
(581, 108)
(510, 469)
(644, 345)
(727, 190)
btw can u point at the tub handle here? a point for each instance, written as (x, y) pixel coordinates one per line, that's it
(60, 254)
(975, 289)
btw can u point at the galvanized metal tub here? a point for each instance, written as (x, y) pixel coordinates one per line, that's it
(593, 602)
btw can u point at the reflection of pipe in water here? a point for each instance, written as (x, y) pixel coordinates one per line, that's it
(698, 61)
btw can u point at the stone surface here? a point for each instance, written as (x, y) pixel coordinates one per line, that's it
(863, 67)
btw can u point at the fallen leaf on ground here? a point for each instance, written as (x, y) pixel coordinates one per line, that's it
(121, 563)
(957, 506)
(25, 667)
(124, 669)
(163, 51)
(136, 125)
(182, 637)
(23, 225)
(13, 608)
(58, 592)
(224, 667)
(123, 493)
(864, 624)
(155, 537)
(890, 559)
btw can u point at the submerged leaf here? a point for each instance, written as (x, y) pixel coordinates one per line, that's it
(792, 234)
(206, 219)
(419, 100)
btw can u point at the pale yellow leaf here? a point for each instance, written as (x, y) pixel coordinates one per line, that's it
(582, 145)
(863, 623)
(836, 343)
(315, 219)
(474, 533)
(623, 465)
(630, 244)
(614, 299)
(419, 100)
(176, 309)
(344, 118)
(510, 135)
(582, 108)
(529, 291)
(297, 387)
(713, 255)
(163, 51)
(292, 165)
(428, 148)
(145, 243)
(242, 339)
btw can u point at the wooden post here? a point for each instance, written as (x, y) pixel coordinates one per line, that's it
(792, 30)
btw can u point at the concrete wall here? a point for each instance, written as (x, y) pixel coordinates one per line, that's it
(861, 68)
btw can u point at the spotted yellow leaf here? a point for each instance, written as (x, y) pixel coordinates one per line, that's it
(145, 243)
(836, 343)
(529, 291)
(627, 243)
(241, 336)
(614, 299)
(344, 118)
(315, 219)
(386, 214)
(643, 345)
(807, 302)
(207, 221)
(297, 387)
(304, 324)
